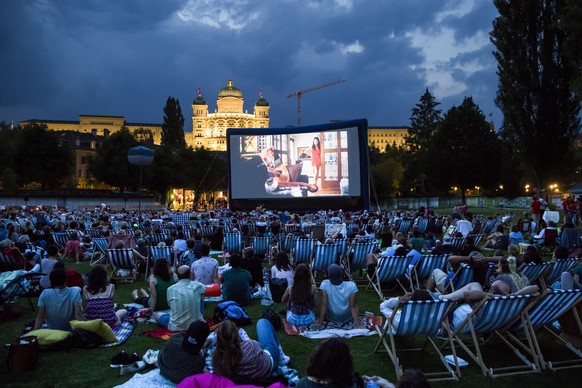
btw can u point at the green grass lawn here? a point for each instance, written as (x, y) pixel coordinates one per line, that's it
(83, 368)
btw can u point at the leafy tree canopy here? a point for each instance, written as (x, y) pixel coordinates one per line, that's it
(173, 125)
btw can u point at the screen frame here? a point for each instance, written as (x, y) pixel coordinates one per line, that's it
(360, 202)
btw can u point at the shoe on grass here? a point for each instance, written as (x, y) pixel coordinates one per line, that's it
(122, 358)
(132, 368)
(151, 357)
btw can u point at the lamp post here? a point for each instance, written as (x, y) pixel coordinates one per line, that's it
(140, 156)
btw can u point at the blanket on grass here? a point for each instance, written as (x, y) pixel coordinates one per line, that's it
(332, 329)
(151, 379)
(122, 332)
(159, 332)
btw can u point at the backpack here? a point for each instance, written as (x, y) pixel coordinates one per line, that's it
(84, 339)
(271, 314)
(277, 288)
(232, 311)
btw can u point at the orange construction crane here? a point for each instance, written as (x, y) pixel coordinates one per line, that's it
(301, 92)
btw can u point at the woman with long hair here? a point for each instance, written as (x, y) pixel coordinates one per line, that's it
(300, 298)
(98, 295)
(158, 282)
(315, 152)
(282, 268)
(330, 365)
(243, 357)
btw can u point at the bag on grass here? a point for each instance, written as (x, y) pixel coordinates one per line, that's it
(271, 314)
(232, 311)
(22, 354)
(84, 339)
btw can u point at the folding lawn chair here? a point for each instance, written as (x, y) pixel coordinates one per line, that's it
(533, 271)
(156, 238)
(422, 225)
(538, 318)
(356, 258)
(288, 243)
(405, 226)
(122, 264)
(207, 231)
(324, 255)
(61, 239)
(457, 242)
(490, 316)
(261, 246)
(232, 243)
(425, 266)
(477, 237)
(100, 245)
(556, 270)
(303, 250)
(159, 253)
(420, 318)
(390, 268)
(18, 283)
(462, 277)
(7, 263)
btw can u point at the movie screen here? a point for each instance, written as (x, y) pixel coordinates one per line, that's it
(296, 163)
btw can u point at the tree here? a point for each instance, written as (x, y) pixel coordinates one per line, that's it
(173, 126)
(572, 24)
(110, 164)
(465, 150)
(8, 139)
(540, 109)
(144, 136)
(40, 157)
(423, 122)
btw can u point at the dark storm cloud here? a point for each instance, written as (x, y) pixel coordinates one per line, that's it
(65, 58)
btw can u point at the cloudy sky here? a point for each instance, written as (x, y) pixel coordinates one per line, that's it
(62, 58)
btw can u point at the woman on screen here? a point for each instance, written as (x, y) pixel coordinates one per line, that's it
(316, 159)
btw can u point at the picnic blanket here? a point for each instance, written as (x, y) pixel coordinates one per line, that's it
(332, 329)
(151, 379)
(122, 332)
(159, 332)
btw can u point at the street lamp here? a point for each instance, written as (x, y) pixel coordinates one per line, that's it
(140, 156)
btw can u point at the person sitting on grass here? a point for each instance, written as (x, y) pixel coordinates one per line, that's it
(185, 298)
(236, 357)
(98, 295)
(300, 298)
(205, 269)
(181, 356)
(159, 282)
(60, 304)
(236, 282)
(282, 268)
(338, 298)
(252, 263)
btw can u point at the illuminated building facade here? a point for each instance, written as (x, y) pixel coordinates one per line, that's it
(381, 137)
(209, 129)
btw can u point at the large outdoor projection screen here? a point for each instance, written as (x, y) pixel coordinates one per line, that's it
(285, 169)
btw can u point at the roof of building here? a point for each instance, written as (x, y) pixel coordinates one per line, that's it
(262, 102)
(199, 100)
(384, 127)
(230, 91)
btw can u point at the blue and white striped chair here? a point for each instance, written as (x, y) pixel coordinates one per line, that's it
(405, 226)
(324, 255)
(303, 250)
(533, 271)
(100, 245)
(422, 225)
(7, 263)
(261, 246)
(232, 242)
(121, 260)
(556, 270)
(420, 318)
(457, 242)
(477, 237)
(61, 239)
(538, 317)
(288, 243)
(490, 316)
(356, 259)
(156, 253)
(462, 277)
(156, 238)
(390, 268)
(206, 231)
(342, 243)
(425, 266)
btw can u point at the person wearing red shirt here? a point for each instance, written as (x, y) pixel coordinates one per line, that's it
(536, 207)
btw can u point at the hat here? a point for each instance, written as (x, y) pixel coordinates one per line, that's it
(182, 269)
(195, 337)
(334, 273)
(447, 239)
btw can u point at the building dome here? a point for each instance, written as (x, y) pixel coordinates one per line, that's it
(199, 100)
(262, 102)
(230, 91)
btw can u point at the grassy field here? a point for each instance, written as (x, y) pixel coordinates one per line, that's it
(82, 368)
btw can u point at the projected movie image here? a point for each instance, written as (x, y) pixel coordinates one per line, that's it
(295, 165)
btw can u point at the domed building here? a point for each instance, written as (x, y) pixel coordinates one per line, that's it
(209, 129)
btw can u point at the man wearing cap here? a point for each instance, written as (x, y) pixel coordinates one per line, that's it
(446, 248)
(184, 299)
(181, 356)
(338, 298)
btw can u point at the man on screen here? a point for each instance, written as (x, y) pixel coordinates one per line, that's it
(284, 180)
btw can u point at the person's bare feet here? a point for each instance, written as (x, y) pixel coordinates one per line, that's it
(144, 293)
(134, 294)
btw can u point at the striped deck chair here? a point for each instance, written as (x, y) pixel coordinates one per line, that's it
(288, 243)
(261, 246)
(159, 253)
(252, 228)
(490, 316)
(405, 226)
(425, 266)
(422, 225)
(438, 226)
(232, 242)
(420, 318)
(156, 238)
(556, 270)
(533, 271)
(538, 317)
(290, 228)
(351, 228)
(389, 269)
(61, 239)
(100, 245)
(180, 218)
(302, 250)
(477, 237)
(462, 277)
(7, 263)
(122, 259)
(207, 231)
(342, 243)
(93, 233)
(490, 225)
(324, 255)
(357, 259)
(457, 242)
